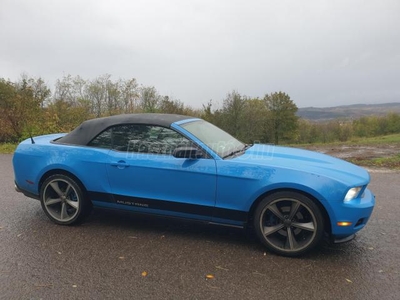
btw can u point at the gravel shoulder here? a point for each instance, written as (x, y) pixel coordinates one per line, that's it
(358, 151)
(386, 156)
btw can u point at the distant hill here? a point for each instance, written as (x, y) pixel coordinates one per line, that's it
(354, 111)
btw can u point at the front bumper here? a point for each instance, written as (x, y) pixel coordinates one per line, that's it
(343, 240)
(355, 214)
(17, 188)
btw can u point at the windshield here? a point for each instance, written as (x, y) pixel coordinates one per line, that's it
(216, 139)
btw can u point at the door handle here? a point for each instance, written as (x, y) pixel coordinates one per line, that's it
(120, 164)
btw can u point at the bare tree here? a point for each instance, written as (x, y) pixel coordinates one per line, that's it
(149, 99)
(129, 95)
(96, 92)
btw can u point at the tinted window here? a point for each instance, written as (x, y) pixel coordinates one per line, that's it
(103, 140)
(125, 136)
(147, 139)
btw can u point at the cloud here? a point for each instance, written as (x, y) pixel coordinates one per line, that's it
(321, 53)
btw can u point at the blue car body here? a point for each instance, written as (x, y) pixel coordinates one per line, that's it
(214, 189)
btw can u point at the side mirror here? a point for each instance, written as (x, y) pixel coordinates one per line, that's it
(188, 152)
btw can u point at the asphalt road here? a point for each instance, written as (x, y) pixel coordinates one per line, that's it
(105, 257)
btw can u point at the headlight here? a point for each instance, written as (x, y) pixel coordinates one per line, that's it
(352, 193)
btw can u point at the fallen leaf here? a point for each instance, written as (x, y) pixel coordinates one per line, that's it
(210, 276)
(144, 273)
(221, 268)
(348, 280)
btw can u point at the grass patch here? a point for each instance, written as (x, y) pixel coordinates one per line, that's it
(7, 148)
(386, 139)
(373, 156)
(376, 140)
(390, 162)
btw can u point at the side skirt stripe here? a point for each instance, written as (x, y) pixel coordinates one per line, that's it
(195, 209)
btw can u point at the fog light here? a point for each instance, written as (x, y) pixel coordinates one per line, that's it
(343, 224)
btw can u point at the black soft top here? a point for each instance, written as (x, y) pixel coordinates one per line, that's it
(89, 129)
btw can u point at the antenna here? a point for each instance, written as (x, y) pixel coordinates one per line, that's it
(30, 135)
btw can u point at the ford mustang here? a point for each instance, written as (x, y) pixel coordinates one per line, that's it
(185, 167)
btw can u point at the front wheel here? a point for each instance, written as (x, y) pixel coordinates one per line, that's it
(288, 223)
(63, 200)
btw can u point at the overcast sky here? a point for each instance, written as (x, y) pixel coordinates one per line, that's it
(322, 53)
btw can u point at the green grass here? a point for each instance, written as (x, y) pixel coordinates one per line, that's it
(391, 162)
(7, 148)
(377, 140)
(386, 139)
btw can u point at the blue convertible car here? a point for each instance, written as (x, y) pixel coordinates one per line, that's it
(185, 167)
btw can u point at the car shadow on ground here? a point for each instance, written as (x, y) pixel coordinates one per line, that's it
(160, 225)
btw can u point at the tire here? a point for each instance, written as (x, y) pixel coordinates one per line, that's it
(288, 223)
(63, 200)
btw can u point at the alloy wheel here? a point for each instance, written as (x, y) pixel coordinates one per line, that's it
(61, 200)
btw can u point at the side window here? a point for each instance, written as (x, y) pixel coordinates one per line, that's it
(140, 139)
(147, 139)
(124, 136)
(103, 140)
(164, 141)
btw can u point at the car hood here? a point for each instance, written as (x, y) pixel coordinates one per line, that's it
(304, 161)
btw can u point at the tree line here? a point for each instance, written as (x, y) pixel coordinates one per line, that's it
(344, 130)
(29, 107)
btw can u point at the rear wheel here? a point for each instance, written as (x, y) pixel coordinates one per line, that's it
(288, 223)
(63, 200)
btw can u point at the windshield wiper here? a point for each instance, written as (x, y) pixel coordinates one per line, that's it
(245, 147)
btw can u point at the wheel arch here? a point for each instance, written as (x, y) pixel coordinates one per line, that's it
(62, 172)
(324, 212)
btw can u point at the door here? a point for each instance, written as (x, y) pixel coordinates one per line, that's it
(144, 175)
